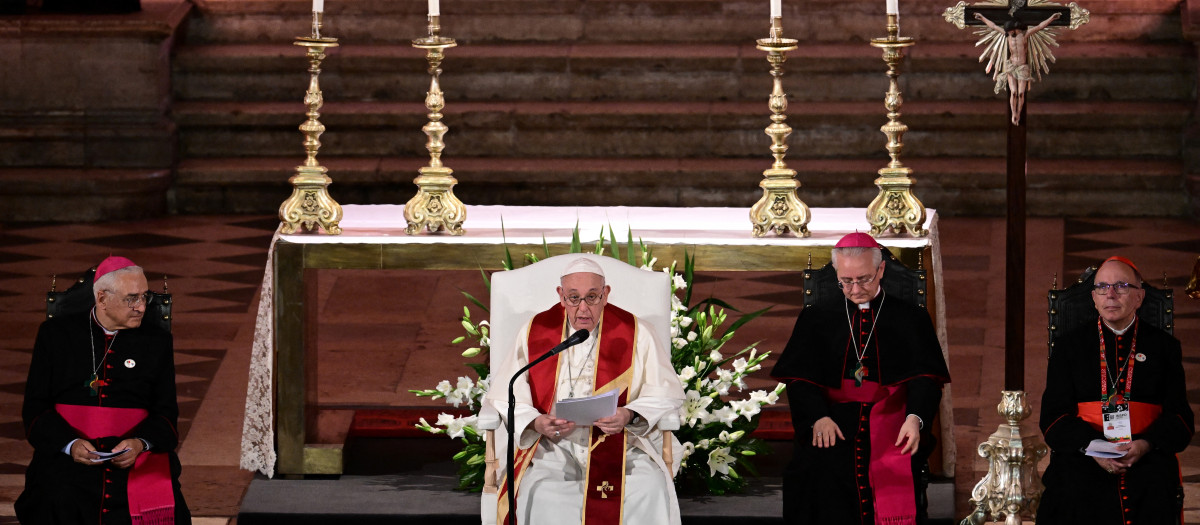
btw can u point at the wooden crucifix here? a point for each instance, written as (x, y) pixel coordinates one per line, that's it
(1016, 36)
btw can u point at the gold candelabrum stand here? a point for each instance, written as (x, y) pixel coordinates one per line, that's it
(435, 207)
(895, 209)
(780, 209)
(310, 205)
(1012, 488)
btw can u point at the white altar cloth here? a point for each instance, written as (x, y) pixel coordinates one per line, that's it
(384, 224)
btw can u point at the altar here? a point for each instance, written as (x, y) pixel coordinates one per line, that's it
(281, 397)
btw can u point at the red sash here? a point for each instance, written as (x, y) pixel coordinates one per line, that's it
(151, 497)
(605, 488)
(1141, 415)
(890, 471)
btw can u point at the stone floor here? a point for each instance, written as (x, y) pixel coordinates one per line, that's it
(375, 345)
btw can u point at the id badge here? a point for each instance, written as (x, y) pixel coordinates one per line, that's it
(1117, 427)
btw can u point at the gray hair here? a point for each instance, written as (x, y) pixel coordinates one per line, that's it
(876, 254)
(106, 281)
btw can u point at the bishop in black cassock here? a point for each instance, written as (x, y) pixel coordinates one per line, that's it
(872, 365)
(89, 373)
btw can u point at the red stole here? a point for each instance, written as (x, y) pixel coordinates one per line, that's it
(890, 471)
(605, 486)
(151, 496)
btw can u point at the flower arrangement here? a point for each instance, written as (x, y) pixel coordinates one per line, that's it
(714, 427)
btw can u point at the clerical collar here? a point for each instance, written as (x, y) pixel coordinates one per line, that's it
(101, 325)
(867, 305)
(1123, 330)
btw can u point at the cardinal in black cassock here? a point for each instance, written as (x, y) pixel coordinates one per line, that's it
(1125, 363)
(865, 375)
(102, 382)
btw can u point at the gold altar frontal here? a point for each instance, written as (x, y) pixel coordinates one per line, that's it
(373, 238)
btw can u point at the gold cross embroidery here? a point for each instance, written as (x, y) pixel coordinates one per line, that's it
(604, 488)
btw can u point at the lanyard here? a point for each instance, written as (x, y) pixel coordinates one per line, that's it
(1127, 369)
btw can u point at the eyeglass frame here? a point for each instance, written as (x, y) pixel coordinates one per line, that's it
(584, 299)
(134, 300)
(1120, 287)
(861, 283)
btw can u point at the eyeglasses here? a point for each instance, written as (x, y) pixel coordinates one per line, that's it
(1121, 288)
(846, 284)
(134, 300)
(592, 298)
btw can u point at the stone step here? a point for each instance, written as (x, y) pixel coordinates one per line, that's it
(680, 130)
(83, 195)
(656, 21)
(671, 71)
(956, 186)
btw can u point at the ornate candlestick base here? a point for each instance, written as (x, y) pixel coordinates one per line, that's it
(780, 209)
(310, 205)
(895, 208)
(434, 207)
(1012, 488)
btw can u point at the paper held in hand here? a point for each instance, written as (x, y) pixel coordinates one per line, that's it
(586, 410)
(1104, 449)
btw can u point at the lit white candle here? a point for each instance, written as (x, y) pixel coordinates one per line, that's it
(434, 8)
(893, 7)
(318, 6)
(776, 8)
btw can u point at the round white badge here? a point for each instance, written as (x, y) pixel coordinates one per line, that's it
(1140, 357)
(129, 363)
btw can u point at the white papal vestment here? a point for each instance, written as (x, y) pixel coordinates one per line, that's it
(552, 489)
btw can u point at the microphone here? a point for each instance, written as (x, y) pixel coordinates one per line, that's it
(578, 337)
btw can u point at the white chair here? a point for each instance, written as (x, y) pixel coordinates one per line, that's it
(517, 295)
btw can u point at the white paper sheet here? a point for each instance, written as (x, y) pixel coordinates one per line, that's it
(1104, 449)
(586, 410)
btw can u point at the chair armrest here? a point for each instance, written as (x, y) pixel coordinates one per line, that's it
(669, 422)
(489, 418)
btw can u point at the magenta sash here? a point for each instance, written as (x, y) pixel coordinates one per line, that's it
(151, 496)
(890, 471)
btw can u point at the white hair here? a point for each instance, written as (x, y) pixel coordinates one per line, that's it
(106, 281)
(855, 251)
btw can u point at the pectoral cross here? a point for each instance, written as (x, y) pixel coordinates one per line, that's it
(604, 488)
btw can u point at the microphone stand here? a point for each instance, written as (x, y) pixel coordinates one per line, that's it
(509, 424)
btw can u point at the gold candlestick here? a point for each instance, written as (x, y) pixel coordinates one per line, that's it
(310, 205)
(780, 209)
(895, 209)
(435, 207)
(1012, 489)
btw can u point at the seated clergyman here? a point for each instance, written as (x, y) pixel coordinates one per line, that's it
(1093, 394)
(101, 382)
(609, 472)
(865, 374)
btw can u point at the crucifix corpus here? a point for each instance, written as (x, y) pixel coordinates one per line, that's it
(1016, 36)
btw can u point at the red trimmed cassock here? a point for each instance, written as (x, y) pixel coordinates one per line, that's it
(585, 476)
(134, 397)
(862, 479)
(1078, 490)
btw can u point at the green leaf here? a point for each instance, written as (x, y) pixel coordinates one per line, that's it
(481, 369)
(576, 246)
(629, 247)
(508, 264)
(747, 318)
(689, 275)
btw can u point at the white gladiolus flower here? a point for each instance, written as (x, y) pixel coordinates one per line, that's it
(725, 415)
(687, 374)
(739, 365)
(715, 356)
(679, 342)
(679, 282)
(748, 409)
(443, 387)
(691, 336)
(685, 321)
